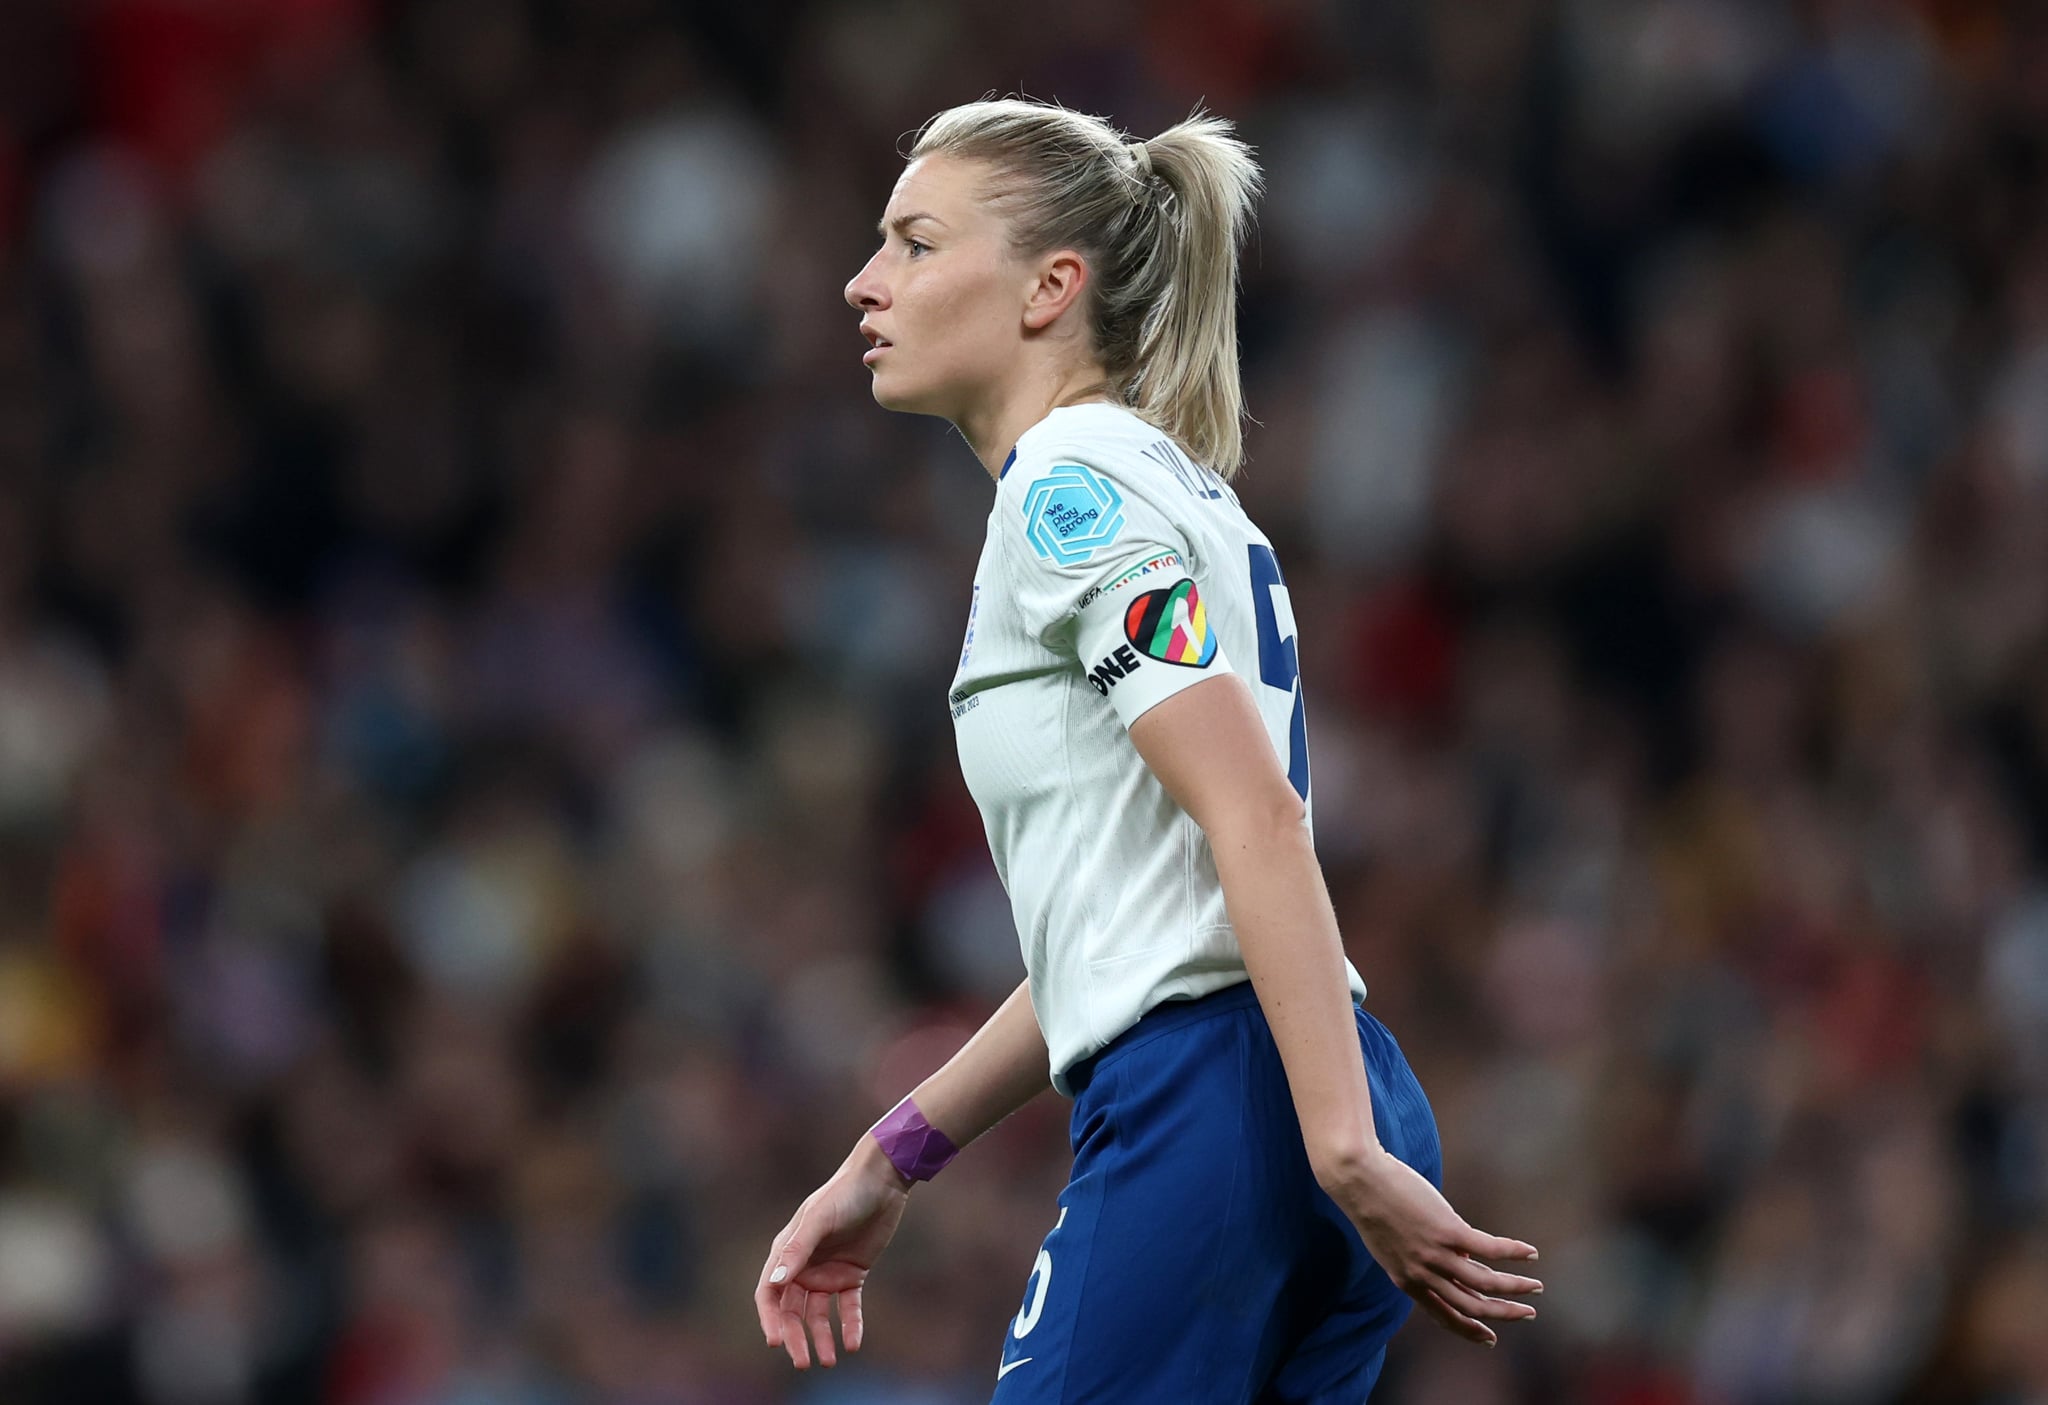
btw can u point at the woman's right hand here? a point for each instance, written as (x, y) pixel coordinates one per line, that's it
(825, 1252)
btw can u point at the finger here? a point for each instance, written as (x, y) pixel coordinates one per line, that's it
(826, 1276)
(1479, 1305)
(1491, 1281)
(795, 1247)
(1481, 1245)
(1455, 1321)
(768, 1304)
(793, 1340)
(767, 1298)
(818, 1314)
(791, 1255)
(852, 1323)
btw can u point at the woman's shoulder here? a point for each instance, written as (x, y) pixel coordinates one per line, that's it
(1096, 425)
(1078, 479)
(1081, 442)
(1090, 476)
(1110, 452)
(1083, 445)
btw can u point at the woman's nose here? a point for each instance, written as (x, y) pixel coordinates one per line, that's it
(864, 291)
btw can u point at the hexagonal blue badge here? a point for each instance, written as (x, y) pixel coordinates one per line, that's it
(1072, 513)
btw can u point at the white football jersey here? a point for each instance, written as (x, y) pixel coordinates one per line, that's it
(1116, 573)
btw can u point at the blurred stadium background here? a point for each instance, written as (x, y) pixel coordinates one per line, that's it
(479, 828)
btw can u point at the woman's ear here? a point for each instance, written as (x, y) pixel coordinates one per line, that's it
(1061, 276)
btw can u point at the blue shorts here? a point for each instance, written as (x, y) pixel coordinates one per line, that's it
(1195, 1259)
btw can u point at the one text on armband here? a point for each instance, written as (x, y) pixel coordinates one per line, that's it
(1071, 513)
(1120, 664)
(1200, 482)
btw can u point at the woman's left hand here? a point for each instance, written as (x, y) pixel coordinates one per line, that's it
(1429, 1251)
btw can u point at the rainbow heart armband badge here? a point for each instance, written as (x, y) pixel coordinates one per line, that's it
(1172, 626)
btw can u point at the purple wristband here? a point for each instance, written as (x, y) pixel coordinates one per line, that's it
(913, 1146)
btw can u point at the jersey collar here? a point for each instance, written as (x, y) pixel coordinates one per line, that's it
(1006, 465)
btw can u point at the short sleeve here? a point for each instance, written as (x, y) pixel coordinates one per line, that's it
(1099, 571)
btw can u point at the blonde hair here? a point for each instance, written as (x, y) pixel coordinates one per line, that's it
(1159, 222)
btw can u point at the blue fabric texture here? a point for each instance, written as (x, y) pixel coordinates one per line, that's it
(1195, 1259)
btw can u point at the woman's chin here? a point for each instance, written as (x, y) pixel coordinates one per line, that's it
(906, 400)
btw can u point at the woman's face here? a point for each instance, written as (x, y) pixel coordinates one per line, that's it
(942, 301)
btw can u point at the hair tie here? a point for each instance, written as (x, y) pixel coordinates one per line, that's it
(1142, 158)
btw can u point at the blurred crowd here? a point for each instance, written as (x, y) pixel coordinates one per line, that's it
(479, 827)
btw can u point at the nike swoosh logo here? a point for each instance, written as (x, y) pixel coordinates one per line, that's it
(1009, 1366)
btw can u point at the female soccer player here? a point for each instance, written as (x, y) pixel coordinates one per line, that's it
(1255, 1168)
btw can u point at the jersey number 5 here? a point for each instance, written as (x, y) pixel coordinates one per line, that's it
(1279, 660)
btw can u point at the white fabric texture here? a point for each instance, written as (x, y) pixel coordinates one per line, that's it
(1115, 573)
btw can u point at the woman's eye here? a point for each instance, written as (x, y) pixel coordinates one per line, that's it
(917, 247)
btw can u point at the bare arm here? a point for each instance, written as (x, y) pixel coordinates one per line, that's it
(1209, 749)
(996, 1072)
(1273, 888)
(825, 1251)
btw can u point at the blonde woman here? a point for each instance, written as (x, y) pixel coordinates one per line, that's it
(1254, 1198)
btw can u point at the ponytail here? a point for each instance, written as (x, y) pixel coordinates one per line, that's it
(1159, 221)
(1184, 376)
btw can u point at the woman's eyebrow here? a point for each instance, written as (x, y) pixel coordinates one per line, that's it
(903, 222)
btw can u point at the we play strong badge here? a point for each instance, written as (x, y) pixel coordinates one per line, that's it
(1072, 513)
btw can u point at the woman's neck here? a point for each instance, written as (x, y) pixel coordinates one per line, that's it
(995, 430)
